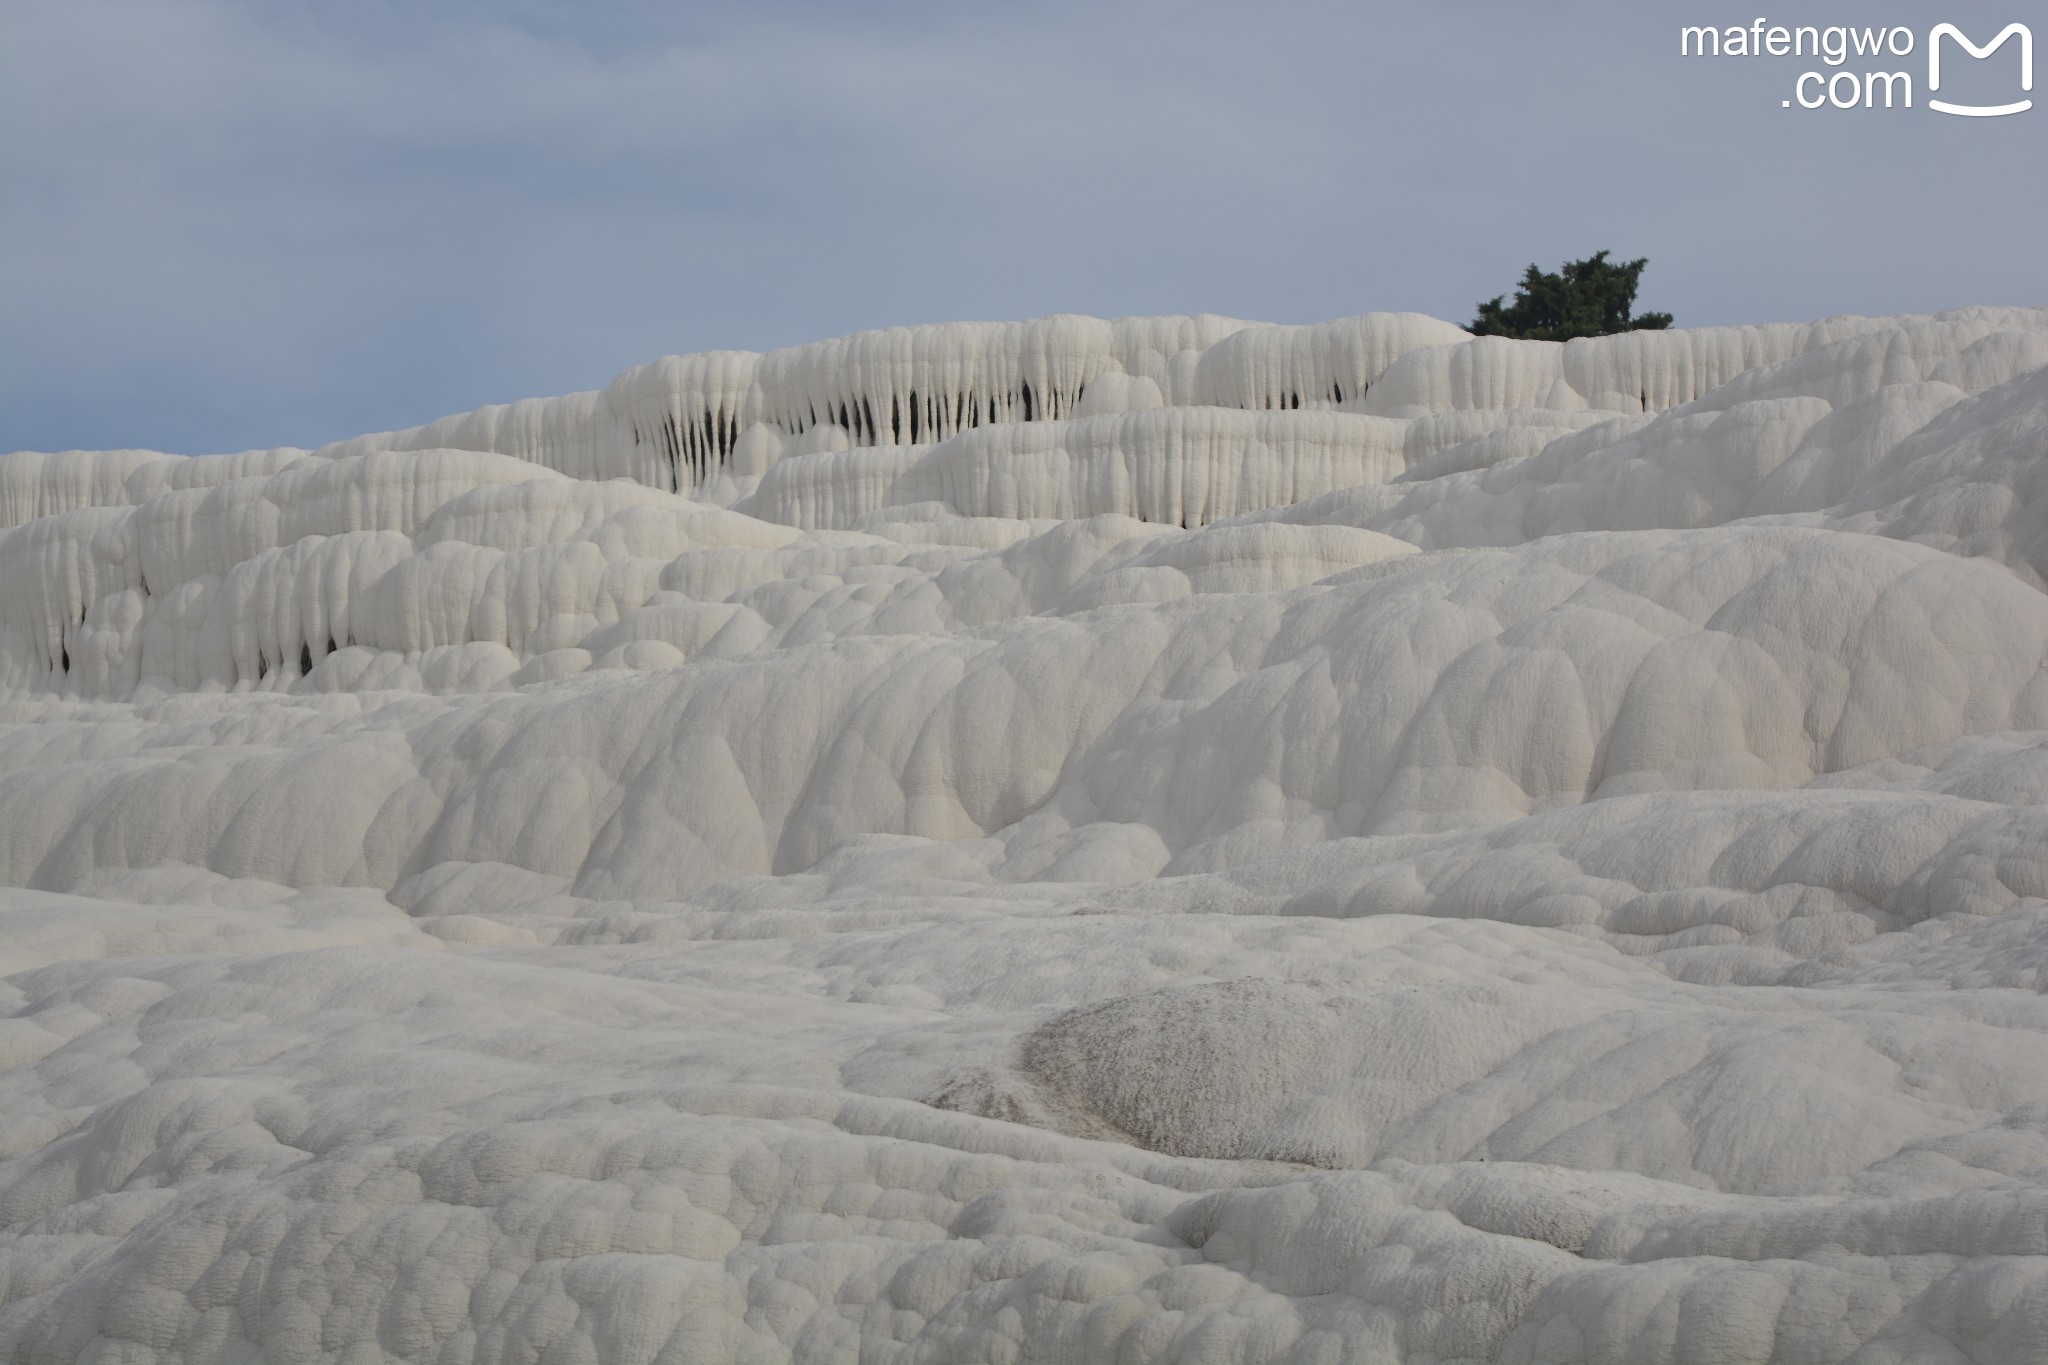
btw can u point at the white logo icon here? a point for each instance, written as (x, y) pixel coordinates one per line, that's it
(2026, 37)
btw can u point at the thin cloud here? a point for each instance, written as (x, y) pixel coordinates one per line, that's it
(232, 224)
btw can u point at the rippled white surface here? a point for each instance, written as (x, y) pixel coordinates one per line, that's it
(1167, 839)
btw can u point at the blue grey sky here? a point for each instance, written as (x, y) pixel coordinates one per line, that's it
(239, 223)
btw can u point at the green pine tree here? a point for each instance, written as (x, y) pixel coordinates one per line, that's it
(1589, 298)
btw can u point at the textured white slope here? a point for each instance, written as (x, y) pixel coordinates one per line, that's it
(1168, 839)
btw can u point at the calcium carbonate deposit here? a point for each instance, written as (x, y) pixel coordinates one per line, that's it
(1157, 840)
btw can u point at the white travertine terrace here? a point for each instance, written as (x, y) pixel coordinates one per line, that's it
(1158, 840)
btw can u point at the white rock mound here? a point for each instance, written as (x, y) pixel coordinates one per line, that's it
(1158, 840)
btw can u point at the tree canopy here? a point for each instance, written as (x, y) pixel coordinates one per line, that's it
(1589, 298)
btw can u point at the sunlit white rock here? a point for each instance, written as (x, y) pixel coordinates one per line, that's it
(1166, 839)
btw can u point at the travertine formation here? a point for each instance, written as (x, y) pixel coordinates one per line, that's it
(1157, 840)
